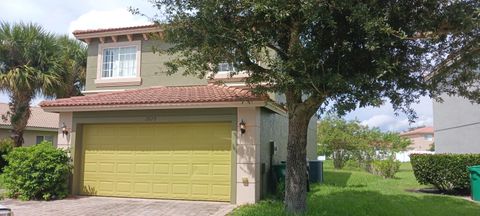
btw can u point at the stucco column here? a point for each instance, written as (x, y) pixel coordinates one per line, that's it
(64, 140)
(248, 156)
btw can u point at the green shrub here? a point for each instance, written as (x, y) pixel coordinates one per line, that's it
(6, 145)
(37, 172)
(447, 172)
(386, 168)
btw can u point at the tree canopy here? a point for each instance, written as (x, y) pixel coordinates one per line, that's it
(349, 53)
(338, 55)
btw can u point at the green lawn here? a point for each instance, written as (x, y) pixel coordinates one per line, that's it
(355, 192)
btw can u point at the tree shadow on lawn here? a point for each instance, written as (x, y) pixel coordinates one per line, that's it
(339, 179)
(370, 203)
(336, 178)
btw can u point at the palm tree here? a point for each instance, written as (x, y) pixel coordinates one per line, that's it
(29, 67)
(73, 60)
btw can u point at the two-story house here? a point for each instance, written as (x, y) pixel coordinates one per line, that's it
(139, 132)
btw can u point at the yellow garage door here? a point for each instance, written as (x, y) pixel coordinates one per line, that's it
(189, 161)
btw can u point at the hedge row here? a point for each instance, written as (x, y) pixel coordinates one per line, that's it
(447, 172)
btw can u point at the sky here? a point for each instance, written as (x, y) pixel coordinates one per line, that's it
(65, 16)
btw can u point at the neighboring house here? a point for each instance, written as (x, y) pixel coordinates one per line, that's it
(422, 138)
(457, 125)
(41, 126)
(139, 132)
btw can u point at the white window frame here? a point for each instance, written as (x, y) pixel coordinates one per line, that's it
(119, 81)
(225, 72)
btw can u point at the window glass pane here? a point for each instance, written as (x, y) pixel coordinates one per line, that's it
(119, 62)
(225, 67)
(48, 138)
(107, 62)
(39, 139)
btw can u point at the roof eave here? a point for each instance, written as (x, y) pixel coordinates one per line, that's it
(116, 32)
(30, 128)
(194, 105)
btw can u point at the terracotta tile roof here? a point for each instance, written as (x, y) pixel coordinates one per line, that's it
(38, 118)
(422, 130)
(160, 95)
(87, 31)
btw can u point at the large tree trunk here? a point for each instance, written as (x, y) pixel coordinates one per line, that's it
(299, 115)
(296, 173)
(19, 115)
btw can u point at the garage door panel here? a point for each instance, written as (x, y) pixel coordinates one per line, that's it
(201, 169)
(161, 168)
(180, 190)
(142, 187)
(201, 189)
(105, 167)
(180, 169)
(124, 168)
(161, 188)
(89, 187)
(106, 186)
(173, 161)
(221, 190)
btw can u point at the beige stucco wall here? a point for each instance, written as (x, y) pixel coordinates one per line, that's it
(248, 184)
(274, 128)
(30, 136)
(419, 143)
(152, 68)
(63, 140)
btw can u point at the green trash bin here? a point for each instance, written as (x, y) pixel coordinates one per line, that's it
(475, 181)
(279, 172)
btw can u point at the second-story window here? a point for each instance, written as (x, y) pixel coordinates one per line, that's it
(225, 67)
(119, 62)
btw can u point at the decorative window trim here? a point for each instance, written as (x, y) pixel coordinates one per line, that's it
(118, 81)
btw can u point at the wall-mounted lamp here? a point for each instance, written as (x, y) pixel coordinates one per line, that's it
(64, 129)
(242, 127)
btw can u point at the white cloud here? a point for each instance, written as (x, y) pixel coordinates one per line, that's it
(96, 19)
(393, 123)
(384, 116)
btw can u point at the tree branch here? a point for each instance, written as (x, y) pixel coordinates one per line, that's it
(279, 51)
(450, 60)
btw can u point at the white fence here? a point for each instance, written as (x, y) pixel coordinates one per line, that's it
(405, 155)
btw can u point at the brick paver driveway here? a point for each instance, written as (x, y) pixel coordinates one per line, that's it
(116, 206)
